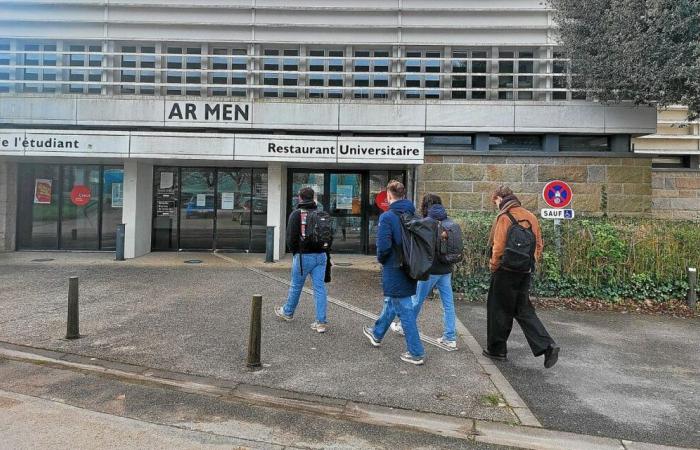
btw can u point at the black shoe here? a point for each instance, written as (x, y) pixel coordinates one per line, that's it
(551, 356)
(496, 356)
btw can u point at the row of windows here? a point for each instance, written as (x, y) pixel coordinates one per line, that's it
(520, 142)
(211, 70)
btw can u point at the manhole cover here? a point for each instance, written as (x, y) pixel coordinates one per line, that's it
(342, 264)
(42, 260)
(193, 261)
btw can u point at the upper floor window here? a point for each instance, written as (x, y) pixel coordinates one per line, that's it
(85, 68)
(515, 142)
(326, 70)
(184, 75)
(229, 71)
(4, 66)
(472, 64)
(39, 61)
(371, 71)
(137, 69)
(281, 68)
(569, 143)
(516, 71)
(423, 72)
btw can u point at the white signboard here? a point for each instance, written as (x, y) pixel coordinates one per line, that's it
(201, 200)
(551, 213)
(42, 142)
(117, 195)
(295, 149)
(227, 200)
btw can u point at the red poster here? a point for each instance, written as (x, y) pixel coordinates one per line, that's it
(42, 191)
(381, 201)
(80, 195)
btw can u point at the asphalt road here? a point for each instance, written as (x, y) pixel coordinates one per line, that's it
(631, 376)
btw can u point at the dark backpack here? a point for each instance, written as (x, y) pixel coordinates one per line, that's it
(450, 247)
(318, 232)
(417, 250)
(519, 254)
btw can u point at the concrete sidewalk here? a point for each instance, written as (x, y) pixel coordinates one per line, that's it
(160, 313)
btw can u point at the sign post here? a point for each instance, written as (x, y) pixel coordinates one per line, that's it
(557, 195)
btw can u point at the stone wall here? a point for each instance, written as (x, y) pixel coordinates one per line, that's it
(619, 184)
(8, 201)
(676, 194)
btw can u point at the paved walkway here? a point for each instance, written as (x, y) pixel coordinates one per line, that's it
(193, 318)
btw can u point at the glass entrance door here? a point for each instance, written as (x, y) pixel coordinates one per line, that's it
(345, 208)
(197, 194)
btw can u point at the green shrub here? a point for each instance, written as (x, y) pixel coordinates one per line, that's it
(603, 258)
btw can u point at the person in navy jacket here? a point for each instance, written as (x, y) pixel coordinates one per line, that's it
(397, 286)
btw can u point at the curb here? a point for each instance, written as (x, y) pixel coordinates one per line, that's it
(473, 430)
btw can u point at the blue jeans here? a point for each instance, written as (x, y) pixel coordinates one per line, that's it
(444, 285)
(314, 264)
(402, 307)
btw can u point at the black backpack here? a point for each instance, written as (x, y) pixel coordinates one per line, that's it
(450, 247)
(417, 250)
(318, 230)
(519, 254)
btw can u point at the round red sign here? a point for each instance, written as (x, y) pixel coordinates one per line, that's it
(557, 194)
(80, 195)
(381, 201)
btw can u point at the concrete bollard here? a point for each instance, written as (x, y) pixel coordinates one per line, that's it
(255, 332)
(692, 287)
(121, 233)
(73, 324)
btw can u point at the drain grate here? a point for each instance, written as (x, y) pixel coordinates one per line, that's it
(42, 260)
(193, 261)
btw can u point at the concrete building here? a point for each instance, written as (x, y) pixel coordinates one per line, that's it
(676, 166)
(194, 123)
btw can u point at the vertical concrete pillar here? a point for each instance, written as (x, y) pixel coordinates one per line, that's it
(138, 208)
(8, 205)
(277, 205)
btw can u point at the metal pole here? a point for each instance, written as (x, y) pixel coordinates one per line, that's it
(692, 287)
(73, 326)
(270, 244)
(557, 241)
(255, 331)
(121, 234)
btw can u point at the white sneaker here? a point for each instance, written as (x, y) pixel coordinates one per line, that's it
(319, 327)
(396, 327)
(279, 312)
(417, 360)
(449, 344)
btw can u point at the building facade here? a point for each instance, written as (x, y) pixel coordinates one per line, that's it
(195, 123)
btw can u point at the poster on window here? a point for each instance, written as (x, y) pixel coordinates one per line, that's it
(227, 200)
(344, 197)
(117, 195)
(201, 200)
(42, 191)
(166, 180)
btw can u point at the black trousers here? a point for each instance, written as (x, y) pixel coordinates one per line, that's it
(509, 298)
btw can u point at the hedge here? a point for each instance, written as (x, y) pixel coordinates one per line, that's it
(601, 258)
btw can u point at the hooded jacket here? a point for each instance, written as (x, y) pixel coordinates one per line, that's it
(294, 242)
(395, 282)
(438, 213)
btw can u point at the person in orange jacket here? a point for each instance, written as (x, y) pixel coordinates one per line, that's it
(512, 261)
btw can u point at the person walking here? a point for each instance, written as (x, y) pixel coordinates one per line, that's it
(398, 287)
(516, 245)
(308, 238)
(440, 277)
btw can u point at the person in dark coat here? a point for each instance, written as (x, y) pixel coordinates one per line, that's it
(397, 286)
(440, 277)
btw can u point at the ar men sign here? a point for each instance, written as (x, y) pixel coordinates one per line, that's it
(206, 112)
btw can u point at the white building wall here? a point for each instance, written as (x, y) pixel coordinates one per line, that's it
(277, 205)
(138, 204)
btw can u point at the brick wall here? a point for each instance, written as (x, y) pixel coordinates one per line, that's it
(676, 194)
(8, 201)
(622, 185)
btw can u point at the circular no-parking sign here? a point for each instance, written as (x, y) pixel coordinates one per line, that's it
(557, 194)
(80, 195)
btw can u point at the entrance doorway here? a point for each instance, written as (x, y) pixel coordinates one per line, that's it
(349, 198)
